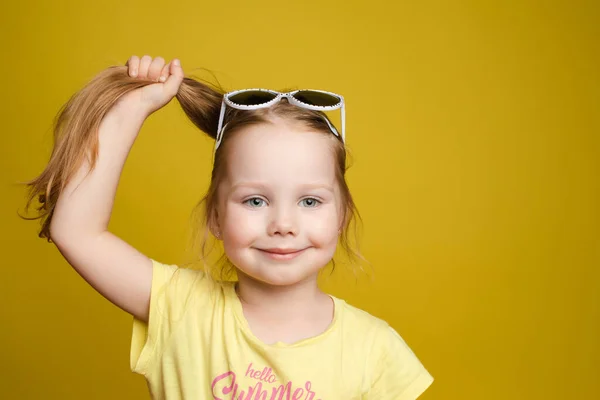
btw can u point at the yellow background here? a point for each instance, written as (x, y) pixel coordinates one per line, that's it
(474, 127)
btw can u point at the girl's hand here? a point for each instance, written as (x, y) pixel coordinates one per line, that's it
(152, 97)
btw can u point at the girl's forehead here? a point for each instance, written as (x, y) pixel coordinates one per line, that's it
(280, 152)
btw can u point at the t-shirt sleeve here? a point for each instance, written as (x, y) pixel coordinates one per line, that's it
(171, 290)
(399, 374)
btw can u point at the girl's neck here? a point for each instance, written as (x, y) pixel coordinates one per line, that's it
(280, 301)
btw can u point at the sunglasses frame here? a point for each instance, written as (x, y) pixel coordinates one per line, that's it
(278, 96)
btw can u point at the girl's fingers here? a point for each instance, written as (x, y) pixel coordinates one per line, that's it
(175, 77)
(133, 65)
(155, 68)
(144, 67)
(164, 74)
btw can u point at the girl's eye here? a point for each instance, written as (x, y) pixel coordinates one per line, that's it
(310, 202)
(255, 202)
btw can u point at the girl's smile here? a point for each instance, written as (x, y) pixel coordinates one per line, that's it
(282, 254)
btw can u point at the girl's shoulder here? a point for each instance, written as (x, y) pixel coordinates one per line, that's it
(392, 363)
(180, 283)
(360, 321)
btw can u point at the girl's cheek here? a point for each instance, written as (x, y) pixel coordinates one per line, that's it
(325, 228)
(242, 224)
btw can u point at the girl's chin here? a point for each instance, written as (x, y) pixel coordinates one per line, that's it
(279, 279)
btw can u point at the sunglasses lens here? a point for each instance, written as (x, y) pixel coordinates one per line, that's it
(317, 98)
(252, 97)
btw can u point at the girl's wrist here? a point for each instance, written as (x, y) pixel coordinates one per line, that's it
(124, 113)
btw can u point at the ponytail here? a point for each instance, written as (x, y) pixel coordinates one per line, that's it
(76, 127)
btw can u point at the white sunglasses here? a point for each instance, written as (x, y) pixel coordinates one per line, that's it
(252, 99)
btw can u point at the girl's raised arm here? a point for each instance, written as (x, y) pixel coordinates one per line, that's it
(79, 220)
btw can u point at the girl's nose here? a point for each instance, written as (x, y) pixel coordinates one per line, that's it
(283, 223)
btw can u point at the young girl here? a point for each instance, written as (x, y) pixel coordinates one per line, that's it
(278, 201)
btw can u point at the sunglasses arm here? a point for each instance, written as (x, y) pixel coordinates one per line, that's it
(220, 126)
(343, 117)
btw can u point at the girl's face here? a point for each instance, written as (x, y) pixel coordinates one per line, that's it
(279, 209)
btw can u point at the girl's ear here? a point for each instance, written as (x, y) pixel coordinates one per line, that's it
(344, 220)
(213, 224)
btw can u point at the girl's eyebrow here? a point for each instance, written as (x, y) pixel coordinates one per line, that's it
(263, 186)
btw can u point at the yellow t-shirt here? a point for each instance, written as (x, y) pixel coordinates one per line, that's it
(198, 345)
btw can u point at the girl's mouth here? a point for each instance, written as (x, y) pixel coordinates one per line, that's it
(281, 254)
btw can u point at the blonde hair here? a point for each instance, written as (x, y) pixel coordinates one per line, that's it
(76, 138)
